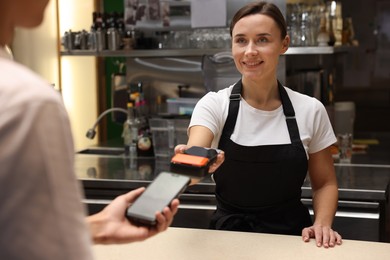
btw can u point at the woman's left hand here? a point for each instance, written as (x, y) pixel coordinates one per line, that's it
(324, 236)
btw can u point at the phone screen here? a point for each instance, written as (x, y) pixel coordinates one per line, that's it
(159, 194)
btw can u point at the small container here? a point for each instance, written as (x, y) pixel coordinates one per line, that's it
(92, 39)
(83, 40)
(181, 106)
(101, 41)
(344, 142)
(113, 39)
(167, 133)
(344, 117)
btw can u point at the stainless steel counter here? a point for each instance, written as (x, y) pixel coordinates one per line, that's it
(363, 213)
(363, 192)
(356, 181)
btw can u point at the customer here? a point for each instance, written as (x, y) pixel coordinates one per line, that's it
(271, 137)
(42, 216)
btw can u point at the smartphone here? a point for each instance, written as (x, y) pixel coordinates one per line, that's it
(159, 194)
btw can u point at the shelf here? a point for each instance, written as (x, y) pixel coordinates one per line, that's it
(153, 53)
(316, 50)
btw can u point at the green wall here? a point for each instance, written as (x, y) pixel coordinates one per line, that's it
(114, 130)
(113, 5)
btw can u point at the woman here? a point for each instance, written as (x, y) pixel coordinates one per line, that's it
(271, 137)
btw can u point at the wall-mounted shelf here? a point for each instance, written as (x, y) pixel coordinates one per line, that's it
(144, 53)
(193, 52)
(316, 50)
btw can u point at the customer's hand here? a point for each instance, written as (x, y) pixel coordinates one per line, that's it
(180, 148)
(324, 236)
(110, 226)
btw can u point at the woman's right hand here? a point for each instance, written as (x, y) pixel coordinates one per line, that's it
(180, 148)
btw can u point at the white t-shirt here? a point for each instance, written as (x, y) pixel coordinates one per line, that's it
(41, 214)
(258, 127)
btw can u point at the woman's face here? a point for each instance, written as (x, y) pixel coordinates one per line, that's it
(257, 45)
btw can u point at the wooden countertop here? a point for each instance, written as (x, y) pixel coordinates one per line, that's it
(188, 244)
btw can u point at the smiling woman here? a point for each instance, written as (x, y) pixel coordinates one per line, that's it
(271, 137)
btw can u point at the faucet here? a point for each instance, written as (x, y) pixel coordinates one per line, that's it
(91, 132)
(130, 129)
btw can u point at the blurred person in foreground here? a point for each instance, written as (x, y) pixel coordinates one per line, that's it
(42, 215)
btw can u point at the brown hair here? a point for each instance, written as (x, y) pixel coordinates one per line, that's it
(268, 9)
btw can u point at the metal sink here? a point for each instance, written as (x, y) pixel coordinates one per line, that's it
(105, 151)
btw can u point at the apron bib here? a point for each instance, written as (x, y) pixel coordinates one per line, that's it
(258, 188)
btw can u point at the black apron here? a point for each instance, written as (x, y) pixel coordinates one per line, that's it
(258, 188)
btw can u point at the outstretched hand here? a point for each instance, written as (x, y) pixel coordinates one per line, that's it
(180, 148)
(110, 226)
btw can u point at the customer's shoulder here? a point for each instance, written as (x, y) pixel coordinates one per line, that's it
(18, 82)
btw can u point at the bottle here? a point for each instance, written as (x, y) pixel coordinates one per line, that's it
(112, 38)
(334, 9)
(84, 40)
(101, 38)
(92, 39)
(332, 37)
(144, 141)
(348, 37)
(130, 132)
(323, 35)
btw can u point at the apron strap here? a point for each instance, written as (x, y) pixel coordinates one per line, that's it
(289, 112)
(234, 105)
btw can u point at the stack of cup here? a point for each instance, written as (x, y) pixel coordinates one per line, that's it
(344, 118)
